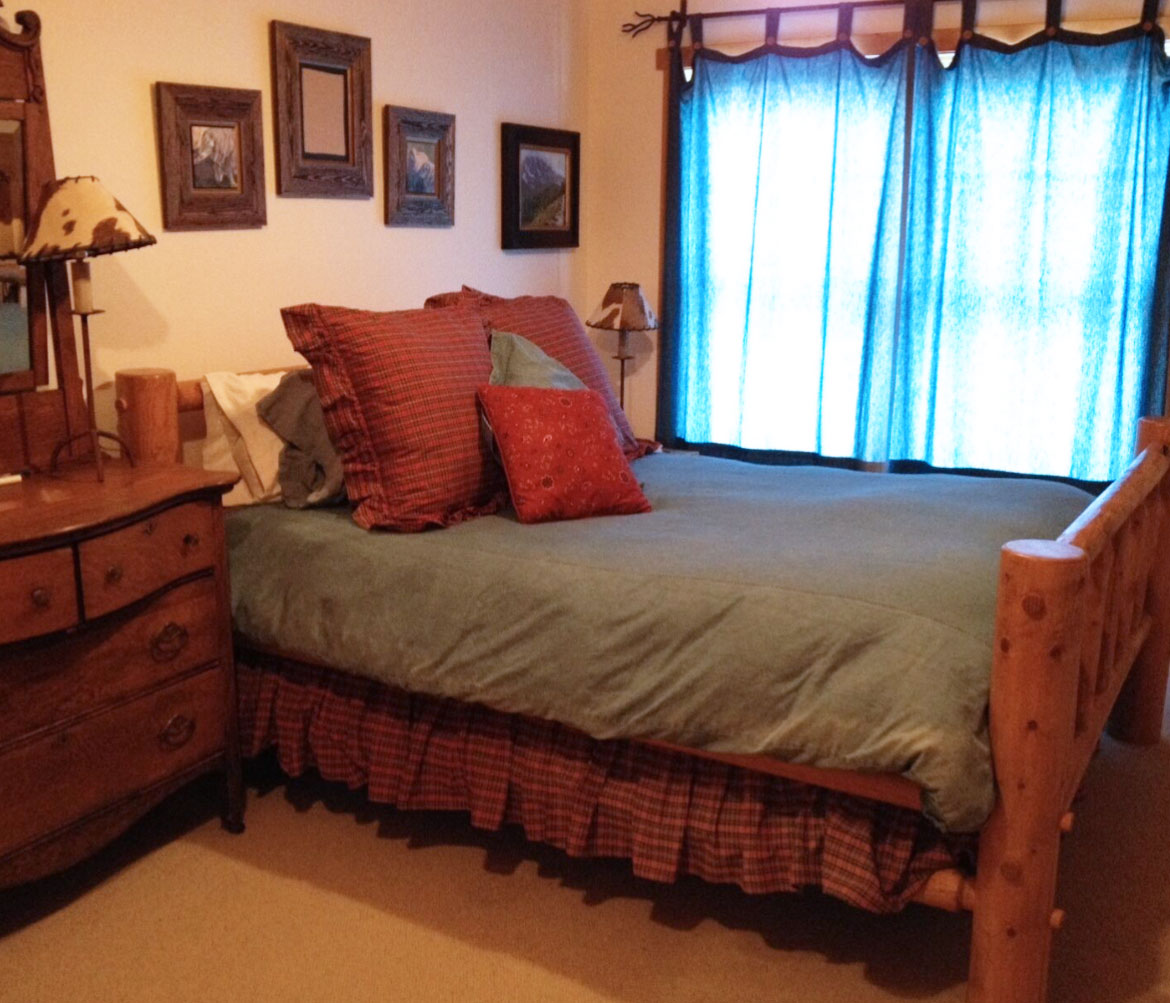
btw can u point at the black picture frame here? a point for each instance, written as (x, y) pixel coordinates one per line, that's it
(217, 185)
(348, 171)
(533, 211)
(414, 196)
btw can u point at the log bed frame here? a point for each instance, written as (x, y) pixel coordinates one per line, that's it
(1082, 642)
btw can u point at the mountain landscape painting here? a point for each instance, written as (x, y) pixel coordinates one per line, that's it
(420, 166)
(543, 188)
(540, 187)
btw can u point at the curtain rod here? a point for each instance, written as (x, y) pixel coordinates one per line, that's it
(680, 17)
(645, 21)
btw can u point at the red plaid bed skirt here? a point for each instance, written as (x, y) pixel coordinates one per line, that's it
(668, 813)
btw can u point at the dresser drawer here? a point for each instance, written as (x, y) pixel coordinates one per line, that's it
(38, 594)
(133, 562)
(54, 681)
(57, 779)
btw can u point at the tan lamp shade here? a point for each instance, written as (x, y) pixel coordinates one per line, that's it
(623, 308)
(80, 218)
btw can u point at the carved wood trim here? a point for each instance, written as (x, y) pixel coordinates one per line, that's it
(304, 174)
(404, 208)
(28, 429)
(185, 207)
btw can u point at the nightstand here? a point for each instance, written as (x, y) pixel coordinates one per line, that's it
(117, 684)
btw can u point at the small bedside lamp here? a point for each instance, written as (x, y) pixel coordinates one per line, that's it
(624, 309)
(79, 219)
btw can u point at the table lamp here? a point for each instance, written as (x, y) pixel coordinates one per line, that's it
(80, 219)
(623, 309)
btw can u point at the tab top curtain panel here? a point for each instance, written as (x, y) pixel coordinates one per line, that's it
(886, 259)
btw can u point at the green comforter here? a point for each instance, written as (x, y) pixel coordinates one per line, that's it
(816, 615)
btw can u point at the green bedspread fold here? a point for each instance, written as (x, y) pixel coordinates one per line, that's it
(816, 615)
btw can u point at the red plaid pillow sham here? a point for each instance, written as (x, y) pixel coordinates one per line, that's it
(551, 324)
(466, 296)
(398, 391)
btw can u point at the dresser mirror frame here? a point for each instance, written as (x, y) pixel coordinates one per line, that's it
(33, 417)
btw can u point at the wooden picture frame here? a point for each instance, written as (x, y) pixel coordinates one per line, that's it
(211, 157)
(420, 167)
(323, 113)
(540, 187)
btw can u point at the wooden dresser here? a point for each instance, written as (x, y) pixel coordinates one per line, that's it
(116, 677)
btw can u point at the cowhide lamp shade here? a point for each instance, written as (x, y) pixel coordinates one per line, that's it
(624, 308)
(79, 218)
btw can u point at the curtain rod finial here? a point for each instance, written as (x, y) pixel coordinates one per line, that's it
(635, 28)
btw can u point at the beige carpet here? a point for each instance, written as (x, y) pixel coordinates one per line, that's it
(327, 898)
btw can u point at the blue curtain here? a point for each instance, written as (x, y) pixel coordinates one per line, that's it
(791, 175)
(994, 300)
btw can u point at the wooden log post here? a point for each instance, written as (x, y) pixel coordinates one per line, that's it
(148, 415)
(1034, 681)
(1137, 716)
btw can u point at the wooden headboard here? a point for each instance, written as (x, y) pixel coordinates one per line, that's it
(158, 414)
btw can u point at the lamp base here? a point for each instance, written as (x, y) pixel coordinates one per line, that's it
(95, 436)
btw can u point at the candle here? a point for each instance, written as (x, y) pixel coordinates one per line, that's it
(82, 288)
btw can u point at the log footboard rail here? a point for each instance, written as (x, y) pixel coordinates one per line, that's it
(1082, 637)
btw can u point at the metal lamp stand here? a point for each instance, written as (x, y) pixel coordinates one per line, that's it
(93, 433)
(623, 356)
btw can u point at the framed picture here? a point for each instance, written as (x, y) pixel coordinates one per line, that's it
(211, 157)
(541, 186)
(324, 113)
(420, 167)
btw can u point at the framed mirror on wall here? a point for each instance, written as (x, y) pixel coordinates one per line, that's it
(323, 113)
(35, 309)
(24, 351)
(18, 354)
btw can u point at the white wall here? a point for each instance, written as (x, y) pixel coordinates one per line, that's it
(200, 301)
(209, 300)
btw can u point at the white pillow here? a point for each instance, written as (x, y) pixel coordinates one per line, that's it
(237, 440)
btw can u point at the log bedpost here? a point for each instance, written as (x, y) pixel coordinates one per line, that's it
(1137, 716)
(148, 415)
(1034, 681)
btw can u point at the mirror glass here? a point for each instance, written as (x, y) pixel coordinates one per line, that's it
(323, 112)
(15, 350)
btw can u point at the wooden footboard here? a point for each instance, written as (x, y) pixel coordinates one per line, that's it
(1078, 620)
(1082, 637)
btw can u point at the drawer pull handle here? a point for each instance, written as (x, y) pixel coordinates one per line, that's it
(177, 733)
(41, 598)
(190, 541)
(168, 642)
(114, 574)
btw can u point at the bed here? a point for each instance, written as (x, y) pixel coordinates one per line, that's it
(1046, 638)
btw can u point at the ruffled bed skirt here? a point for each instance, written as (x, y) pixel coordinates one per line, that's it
(668, 813)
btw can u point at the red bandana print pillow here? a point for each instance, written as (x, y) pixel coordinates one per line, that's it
(560, 454)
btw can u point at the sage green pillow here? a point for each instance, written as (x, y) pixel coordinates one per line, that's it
(517, 362)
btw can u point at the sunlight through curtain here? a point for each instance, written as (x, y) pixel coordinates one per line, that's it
(1013, 325)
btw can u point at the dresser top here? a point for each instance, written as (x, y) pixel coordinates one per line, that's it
(47, 507)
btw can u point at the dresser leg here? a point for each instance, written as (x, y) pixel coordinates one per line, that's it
(234, 794)
(235, 798)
